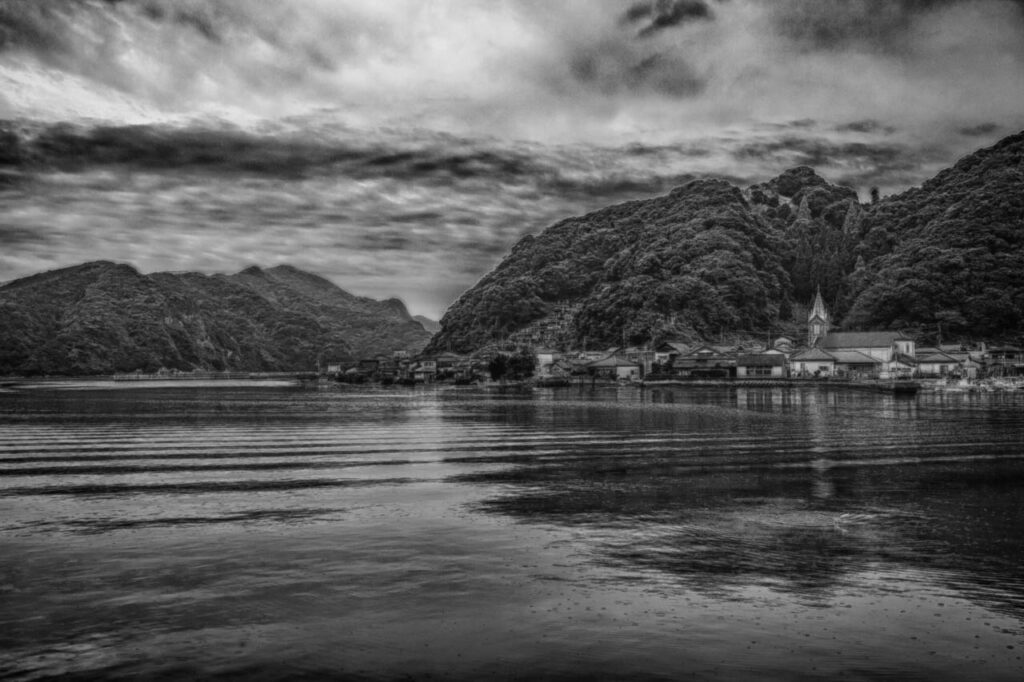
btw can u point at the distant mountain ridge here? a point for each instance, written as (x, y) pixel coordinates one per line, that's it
(103, 317)
(428, 324)
(710, 259)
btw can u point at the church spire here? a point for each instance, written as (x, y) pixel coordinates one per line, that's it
(818, 308)
(818, 321)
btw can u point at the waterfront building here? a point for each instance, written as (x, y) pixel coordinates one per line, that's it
(812, 362)
(615, 367)
(762, 365)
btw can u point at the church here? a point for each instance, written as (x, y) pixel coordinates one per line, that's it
(876, 353)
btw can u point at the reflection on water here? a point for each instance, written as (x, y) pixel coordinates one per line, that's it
(282, 532)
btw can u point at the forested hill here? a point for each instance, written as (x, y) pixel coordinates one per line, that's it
(103, 317)
(950, 253)
(710, 259)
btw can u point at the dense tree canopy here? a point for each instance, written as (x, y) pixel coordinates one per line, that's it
(709, 258)
(100, 318)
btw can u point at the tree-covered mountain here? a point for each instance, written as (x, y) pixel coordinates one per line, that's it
(948, 257)
(103, 317)
(710, 258)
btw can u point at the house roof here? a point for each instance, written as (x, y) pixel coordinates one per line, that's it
(674, 347)
(839, 340)
(706, 352)
(931, 355)
(761, 360)
(813, 355)
(613, 361)
(853, 357)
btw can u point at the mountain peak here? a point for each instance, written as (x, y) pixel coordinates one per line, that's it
(791, 181)
(104, 317)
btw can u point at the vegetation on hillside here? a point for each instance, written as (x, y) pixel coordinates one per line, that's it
(708, 259)
(948, 257)
(101, 317)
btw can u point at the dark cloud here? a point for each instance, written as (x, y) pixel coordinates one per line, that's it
(980, 130)
(36, 26)
(658, 15)
(14, 237)
(667, 75)
(867, 125)
(878, 25)
(817, 152)
(73, 147)
(612, 68)
(384, 240)
(419, 217)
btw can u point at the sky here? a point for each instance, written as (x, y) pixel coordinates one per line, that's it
(401, 148)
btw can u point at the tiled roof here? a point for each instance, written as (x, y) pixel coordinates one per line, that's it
(708, 352)
(613, 361)
(853, 357)
(761, 360)
(812, 355)
(931, 355)
(676, 346)
(862, 339)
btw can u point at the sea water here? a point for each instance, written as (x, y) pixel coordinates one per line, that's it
(283, 532)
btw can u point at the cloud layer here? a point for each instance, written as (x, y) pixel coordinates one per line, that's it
(401, 147)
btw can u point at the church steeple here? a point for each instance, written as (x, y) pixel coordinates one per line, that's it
(818, 321)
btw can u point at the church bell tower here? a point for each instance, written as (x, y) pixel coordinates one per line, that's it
(818, 321)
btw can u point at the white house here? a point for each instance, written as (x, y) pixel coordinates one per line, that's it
(770, 364)
(812, 362)
(934, 362)
(615, 367)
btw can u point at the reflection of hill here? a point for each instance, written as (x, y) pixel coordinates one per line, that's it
(718, 499)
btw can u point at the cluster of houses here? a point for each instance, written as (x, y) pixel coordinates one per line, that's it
(401, 366)
(826, 354)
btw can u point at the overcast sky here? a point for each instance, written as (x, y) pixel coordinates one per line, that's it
(400, 148)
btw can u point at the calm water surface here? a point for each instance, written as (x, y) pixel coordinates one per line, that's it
(281, 533)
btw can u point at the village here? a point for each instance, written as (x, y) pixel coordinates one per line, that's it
(824, 355)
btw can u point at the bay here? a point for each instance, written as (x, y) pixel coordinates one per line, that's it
(282, 532)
